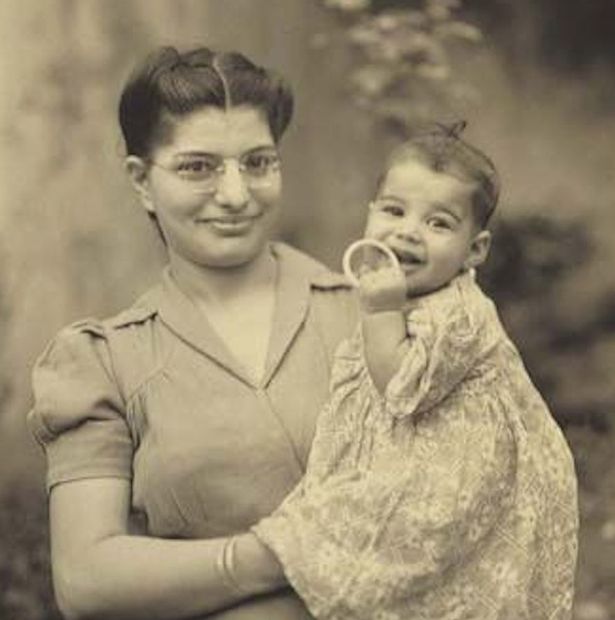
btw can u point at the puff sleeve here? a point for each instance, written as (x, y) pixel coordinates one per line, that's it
(450, 333)
(78, 413)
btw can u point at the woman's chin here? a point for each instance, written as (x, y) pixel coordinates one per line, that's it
(235, 255)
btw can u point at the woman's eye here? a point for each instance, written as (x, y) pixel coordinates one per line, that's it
(197, 167)
(260, 163)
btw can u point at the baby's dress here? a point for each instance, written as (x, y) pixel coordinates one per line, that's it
(453, 496)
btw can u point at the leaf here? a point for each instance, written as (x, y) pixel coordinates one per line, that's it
(438, 7)
(364, 34)
(459, 30)
(387, 22)
(421, 47)
(348, 5)
(436, 72)
(372, 80)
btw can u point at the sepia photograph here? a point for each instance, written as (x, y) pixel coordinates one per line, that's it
(307, 310)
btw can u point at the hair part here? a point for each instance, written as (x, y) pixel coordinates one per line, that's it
(170, 84)
(443, 150)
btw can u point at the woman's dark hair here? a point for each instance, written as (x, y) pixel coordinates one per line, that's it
(170, 84)
(442, 149)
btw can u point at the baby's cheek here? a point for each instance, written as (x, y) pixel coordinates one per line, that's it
(375, 230)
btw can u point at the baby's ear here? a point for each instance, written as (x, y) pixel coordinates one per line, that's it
(479, 249)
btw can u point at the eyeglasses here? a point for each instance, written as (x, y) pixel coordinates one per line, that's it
(203, 171)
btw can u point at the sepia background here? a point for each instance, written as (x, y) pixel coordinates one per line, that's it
(534, 78)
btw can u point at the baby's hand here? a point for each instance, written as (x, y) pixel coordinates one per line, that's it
(382, 289)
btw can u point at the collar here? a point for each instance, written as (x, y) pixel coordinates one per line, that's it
(310, 269)
(298, 274)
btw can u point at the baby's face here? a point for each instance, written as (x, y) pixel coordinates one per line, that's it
(426, 218)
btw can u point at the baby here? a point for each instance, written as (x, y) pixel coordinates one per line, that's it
(439, 485)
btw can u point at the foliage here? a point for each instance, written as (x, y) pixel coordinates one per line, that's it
(536, 255)
(571, 37)
(531, 261)
(404, 73)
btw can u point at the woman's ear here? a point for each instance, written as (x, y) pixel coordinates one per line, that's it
(479, 249)
(137, 171)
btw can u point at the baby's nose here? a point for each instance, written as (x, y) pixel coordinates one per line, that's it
(409, 229)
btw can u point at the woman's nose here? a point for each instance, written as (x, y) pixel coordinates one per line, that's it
(231, 190)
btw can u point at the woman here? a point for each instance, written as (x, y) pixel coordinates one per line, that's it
(173, 427)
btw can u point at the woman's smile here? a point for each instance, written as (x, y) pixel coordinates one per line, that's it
(231, 225)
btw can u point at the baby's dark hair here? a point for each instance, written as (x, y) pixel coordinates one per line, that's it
(442, 149)
(170, 83)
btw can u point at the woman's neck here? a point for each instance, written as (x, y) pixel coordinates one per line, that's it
(219, 284)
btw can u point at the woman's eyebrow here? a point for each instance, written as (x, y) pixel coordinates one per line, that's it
(200, 153)
(195, 153)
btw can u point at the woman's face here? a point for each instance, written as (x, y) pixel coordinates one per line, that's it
(214, 187)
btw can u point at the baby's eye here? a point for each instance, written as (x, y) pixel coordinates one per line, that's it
(391, 209)
(438, 222)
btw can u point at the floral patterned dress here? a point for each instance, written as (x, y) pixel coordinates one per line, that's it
(452, 496)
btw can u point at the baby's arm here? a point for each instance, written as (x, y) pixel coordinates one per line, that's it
(382, 295)
(450, 331)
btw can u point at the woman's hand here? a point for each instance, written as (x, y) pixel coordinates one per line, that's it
(255, 567)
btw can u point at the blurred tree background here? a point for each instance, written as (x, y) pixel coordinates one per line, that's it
(535, 80)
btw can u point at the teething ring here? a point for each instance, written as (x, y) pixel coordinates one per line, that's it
(365, 243)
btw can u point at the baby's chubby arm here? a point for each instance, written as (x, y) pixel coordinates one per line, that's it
(382, 295)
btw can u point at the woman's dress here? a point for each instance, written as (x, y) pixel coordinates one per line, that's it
(153, 396)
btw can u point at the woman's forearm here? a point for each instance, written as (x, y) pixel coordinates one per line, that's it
(101, 571)
(157, 579)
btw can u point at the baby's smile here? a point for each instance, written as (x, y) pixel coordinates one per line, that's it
(408, 257)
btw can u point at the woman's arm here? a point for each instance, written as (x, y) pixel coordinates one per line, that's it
(101, 571)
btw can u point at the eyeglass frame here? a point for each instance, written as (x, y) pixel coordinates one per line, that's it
(220, 170)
